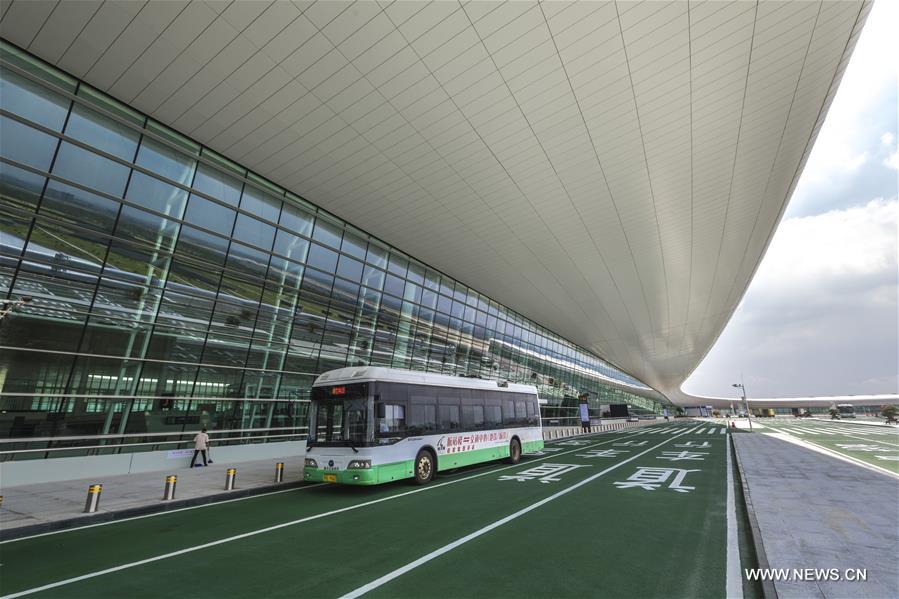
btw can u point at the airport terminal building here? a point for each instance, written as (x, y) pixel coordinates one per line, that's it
(206, 205)
(170, 288)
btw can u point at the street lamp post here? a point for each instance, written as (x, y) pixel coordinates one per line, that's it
(745, 403)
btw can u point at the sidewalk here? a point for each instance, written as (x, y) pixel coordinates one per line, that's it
(815, 511)
(32, 509)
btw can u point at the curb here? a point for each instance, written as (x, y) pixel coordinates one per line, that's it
(755, 533)
(155, 508)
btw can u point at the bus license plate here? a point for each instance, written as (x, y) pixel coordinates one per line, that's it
(330, 478)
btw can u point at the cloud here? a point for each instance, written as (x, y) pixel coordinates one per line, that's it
(892, 161)
(851, 152)
(820, 317)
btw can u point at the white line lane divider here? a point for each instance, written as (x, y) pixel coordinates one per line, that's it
(734, 583)
(447, 548)
(260, 531)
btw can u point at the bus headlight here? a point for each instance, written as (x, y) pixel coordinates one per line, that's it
(359, 465)
(310, 463)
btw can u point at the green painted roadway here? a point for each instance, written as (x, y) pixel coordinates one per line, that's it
(639, 513)
(868, 443)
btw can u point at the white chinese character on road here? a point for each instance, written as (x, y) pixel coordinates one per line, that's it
(575, 443)
(651, 479)
(679, 456)
(631, 444)
(546, 450)
(695, 444)
(600, 453)
(545, 473)
(864, 447)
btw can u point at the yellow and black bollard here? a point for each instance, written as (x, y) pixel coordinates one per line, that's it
(230, 475)
(169, 492)
(93, 498)
(279, 472)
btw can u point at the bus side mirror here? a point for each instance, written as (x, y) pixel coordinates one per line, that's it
(381, 411)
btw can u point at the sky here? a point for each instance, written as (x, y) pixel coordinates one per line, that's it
(820, 316)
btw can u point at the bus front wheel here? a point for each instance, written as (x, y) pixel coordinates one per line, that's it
(514, 451)
(424, 467)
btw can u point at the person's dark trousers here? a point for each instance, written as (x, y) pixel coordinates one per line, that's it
(585, 426)
(194, 459)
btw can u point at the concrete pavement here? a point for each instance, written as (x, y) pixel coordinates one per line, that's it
(815, 511)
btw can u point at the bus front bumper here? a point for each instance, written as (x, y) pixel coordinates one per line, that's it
(367, 476)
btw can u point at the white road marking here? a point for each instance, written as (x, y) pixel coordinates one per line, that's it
(734, 583)
(821, 449)
(461, 541)
(838, 431)
(792, 431)
(252, 533)
(182, 509)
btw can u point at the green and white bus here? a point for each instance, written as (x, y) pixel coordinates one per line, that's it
(371, 425)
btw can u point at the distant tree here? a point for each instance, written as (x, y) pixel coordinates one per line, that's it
(890, 413)
(834, 414)
(716, 413)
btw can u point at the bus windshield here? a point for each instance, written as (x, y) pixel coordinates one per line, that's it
(846, 410)
(342, 418)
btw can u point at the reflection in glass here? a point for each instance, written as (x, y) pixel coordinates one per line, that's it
(26, 145)
(217, 184)
(92, 170)
(101, 132)
(31, 101)
(152, 193)
(165, 161)
(209, 215)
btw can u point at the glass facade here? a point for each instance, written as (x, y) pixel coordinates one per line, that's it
(168, 287)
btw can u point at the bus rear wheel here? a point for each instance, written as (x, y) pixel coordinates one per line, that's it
(514, 451)
(424, 467)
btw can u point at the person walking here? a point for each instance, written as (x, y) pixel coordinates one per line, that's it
(201, 445)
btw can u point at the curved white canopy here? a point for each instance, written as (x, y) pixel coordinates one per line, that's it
(613, 171)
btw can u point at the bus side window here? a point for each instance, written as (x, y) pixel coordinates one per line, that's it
(448, 400)
(393, 420)
(472, 409)
(508, 410)
(422, 410)
(472, 417)
(449, 418)
(521, 412)
(493, 415)
(392, 392)
(422, 419)
(533, 412)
